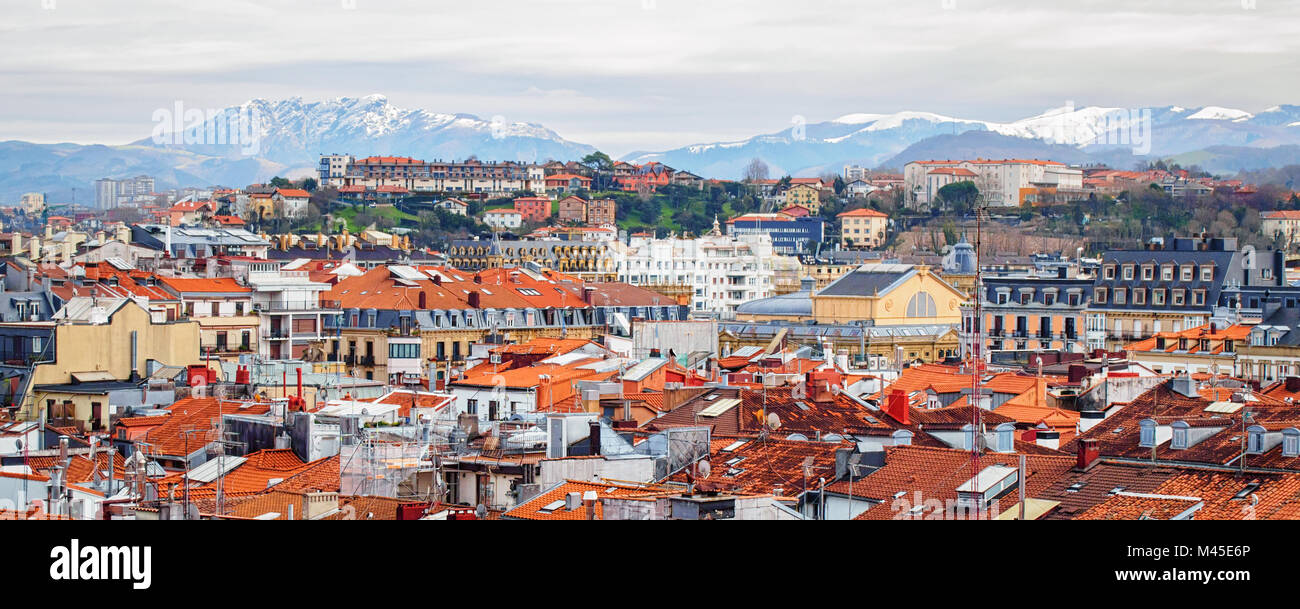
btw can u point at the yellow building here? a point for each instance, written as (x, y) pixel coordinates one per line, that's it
(101, 348)
(884, 294)
(889, 294)
(862, 228)
(804, 196)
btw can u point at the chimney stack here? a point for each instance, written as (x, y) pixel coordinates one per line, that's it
(1088, 453)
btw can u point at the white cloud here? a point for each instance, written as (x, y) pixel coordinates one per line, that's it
(624, 76)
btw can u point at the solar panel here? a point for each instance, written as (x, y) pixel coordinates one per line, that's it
(552, 506)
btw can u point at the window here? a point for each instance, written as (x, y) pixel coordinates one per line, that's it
(1207, 273)
(1178, 297)
(1100, 296)
(1158, 297)
(1179, 440)
(1121, 296)
(1198, 297)
(921, 305)
(1049, 299)
(1139, 296)
(1291, 442)
(1147, 435)
(1128, 272)
(1167, 272)
(1109, 271)
(1148, 272)
(1255, 440)
(471, 406)
(1186, 272)
(404, 350)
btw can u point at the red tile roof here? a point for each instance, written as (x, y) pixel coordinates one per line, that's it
(534, 509)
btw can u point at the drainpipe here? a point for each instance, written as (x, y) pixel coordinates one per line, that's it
(135, 374)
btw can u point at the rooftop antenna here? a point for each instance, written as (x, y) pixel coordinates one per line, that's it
(977, 345)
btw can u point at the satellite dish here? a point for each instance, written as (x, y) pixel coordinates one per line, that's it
(773, 421)
(704, 468)
(480, 511)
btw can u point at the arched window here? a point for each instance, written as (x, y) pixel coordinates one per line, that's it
(921, 305)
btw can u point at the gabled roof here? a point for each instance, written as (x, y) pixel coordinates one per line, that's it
(549, 504)
(935, 474)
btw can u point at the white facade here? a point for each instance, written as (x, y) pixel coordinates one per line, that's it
(723, 270)
(503, 218)
(1000, 181)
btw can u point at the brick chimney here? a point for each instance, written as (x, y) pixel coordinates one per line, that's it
(1088, 453)
(474, 299)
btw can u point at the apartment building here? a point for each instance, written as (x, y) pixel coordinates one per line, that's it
(416, 175)
(862, 228)
(721, 271)
(1030, 313)
(1003, 183)
(1171, 286)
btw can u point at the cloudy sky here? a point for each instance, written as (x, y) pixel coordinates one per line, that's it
(629, 75)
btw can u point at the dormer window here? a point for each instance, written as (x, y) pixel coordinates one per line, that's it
(1186, 272)
(1179, 440)
(1254, 440)
(1147, 433)
(1207, 273)
(1291, 442)
(1109, 272)
(1167, 272)
(1006, 437)
(1128, 272)
(1148, 272)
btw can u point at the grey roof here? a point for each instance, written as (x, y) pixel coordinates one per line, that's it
(794, 303)
(80, 308)
(868, 280)
(819, 332)
(644, 368)
(9, 301)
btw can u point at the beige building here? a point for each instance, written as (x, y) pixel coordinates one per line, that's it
(804, 195)
(1282, 223)
(33, 203)
(101, 347)
(889, 294)
(862, 228)
(884, 294)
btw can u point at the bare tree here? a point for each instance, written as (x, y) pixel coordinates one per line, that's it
(756, 170)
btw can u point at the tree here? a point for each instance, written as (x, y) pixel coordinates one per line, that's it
(959, 197)
(309, 184)
(598, 161)
(279, 182)
(756, 170)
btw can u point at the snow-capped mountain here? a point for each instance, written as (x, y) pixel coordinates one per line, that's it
(294, 132)
(262, 138)
(870, 139)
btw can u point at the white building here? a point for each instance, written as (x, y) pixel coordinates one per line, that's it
(723, 270)
(289, 305)
(503, 218)
(1002, 182)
